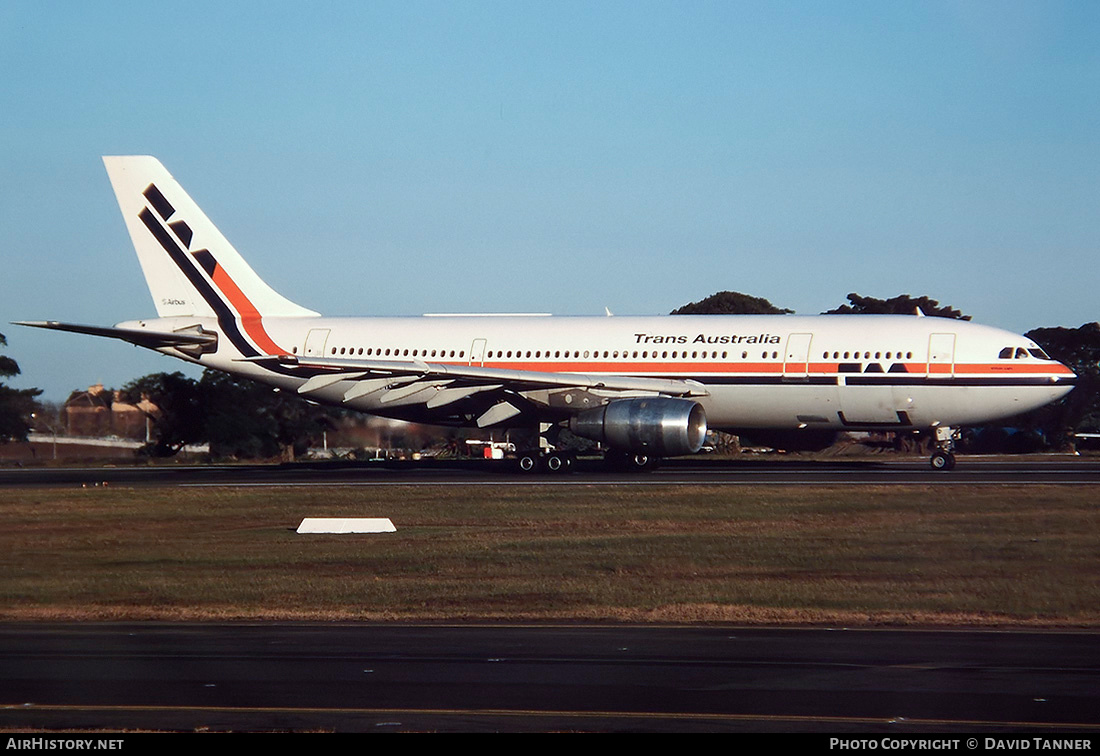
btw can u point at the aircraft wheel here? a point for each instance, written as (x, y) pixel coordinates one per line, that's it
(642, 462)
(555, 463)
(630, 461)
(527, 463)
(943, 460)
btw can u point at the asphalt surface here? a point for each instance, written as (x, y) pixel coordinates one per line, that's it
(437, 678)
(360, 678)
(1061, 470)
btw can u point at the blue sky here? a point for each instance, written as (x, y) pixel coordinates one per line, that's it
(400, 158)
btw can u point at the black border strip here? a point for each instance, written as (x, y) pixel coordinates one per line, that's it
(994, 380)
(158, 201)
(885, 380)
(903, 421)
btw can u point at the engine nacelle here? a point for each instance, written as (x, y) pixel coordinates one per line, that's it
(659, 426)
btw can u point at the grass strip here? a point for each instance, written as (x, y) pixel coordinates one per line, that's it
(910, 555)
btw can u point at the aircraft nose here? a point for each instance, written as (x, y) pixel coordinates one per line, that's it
(1063, 374)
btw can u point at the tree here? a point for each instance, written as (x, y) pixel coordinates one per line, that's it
(247, 419)
(903, 304)
(16, 405)
(180, 420)
(1079, 350)
(237, 417)
(731, 303)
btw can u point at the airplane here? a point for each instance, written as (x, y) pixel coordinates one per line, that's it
(643, 387)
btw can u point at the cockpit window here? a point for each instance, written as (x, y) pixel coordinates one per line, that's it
(1020, 353)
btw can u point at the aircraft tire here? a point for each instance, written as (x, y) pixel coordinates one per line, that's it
(630, 461)
(943, 460)
(555, 463)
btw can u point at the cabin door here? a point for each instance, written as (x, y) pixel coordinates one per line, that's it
(796, 358)
(477, 352)
(315, 342)
(941, 355)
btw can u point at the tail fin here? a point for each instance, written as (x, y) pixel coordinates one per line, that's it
(191, 269)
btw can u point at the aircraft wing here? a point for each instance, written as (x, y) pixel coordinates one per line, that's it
(409, 380)
(190, 337)
(515, 379)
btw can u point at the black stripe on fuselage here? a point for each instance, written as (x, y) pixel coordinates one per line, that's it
(886, 380)
(994, 380)
(226, 319)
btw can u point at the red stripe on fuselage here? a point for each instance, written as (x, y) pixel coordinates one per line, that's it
(633, 367)
(250, 316)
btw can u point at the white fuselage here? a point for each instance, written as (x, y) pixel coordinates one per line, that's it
(758, 371)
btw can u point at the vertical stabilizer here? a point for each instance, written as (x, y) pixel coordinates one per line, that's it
(191, 269)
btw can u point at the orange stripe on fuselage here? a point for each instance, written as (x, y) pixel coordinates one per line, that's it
(755, 368)
(250, 316)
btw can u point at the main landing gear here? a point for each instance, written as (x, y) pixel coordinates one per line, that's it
(551, 461)
(943, 458)
(539, 453)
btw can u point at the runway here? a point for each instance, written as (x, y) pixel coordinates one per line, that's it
(359, 678)
(1031, 470)
(534, 678)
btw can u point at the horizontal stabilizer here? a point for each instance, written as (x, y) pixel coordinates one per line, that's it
(191, 337)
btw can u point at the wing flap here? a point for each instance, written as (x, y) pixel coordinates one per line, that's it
(517, 380)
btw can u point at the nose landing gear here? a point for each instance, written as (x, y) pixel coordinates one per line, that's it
(943, 458)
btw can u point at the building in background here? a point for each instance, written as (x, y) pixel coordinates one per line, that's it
(99, 412)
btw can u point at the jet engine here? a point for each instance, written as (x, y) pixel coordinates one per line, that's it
(658, 426)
